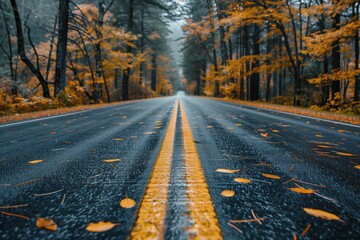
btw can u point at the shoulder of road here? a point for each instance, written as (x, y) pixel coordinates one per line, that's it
(295, 110)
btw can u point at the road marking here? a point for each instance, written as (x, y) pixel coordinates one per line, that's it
(202, 212)
(150, 223)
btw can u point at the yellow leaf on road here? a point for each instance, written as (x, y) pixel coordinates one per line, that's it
(271, 176)
(325, 146)
(345, 154)
(112, 160)
(302, 190)
(35, 161)
(357, 167)
(100, 226)
(321, 214)
(228, 193)
(242, 180)
(238, 124)
(118, 139)
(46, 223)
(265, 135)
(127, 203)
(223, 170)
(275, 131)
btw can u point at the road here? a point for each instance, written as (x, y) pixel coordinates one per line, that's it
(166, 154)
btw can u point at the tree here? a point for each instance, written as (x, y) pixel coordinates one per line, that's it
(60, 71)
(21, 51)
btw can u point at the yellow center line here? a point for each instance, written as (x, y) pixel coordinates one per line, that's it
(150, 223)
(202, 213)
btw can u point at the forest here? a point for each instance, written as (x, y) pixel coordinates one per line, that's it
(292, 52)
(65, 53)
(71, 52)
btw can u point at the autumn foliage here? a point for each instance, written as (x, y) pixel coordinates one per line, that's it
(294, 52)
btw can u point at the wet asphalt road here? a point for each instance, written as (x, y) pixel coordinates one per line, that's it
(226, 135)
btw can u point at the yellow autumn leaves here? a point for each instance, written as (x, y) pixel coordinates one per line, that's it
(49, 224)
(100, 227)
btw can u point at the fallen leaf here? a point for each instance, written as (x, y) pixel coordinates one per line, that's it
(302, 190)
(275, 131)
(321, 214)
(319, 136)
(324, 146)
(223, 170)
(118, 139)
(112, 160)
(341, 131)
(242, 180)
(228, 193)
(209, 126)
(265, 135)
(100, 226)
(345, 154)
(238, 124)
(357, 167)
(149, 133)
(53, 133)
(270, 176)
(46, 223)
(127, 203)
(35, 161)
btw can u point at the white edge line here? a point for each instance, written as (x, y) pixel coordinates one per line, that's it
(44, 118)
(296, 115)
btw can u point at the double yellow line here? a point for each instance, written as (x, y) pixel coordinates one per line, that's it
(150, 223)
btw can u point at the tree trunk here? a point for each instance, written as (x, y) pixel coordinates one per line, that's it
(154, 71)
(14, 88)
(60, 71)
(335, 57)
(142, 44)
(126, 75)
(22, 53)
(325, 86)
(357, 52)
(255, 77)
(268, 73)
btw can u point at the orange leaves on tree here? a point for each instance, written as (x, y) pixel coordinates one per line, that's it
(321, 214)
(100, 226)
(35, 161)
(46, 223)
(271, 176)
(127, 203)
(228, 193)
(223, 170)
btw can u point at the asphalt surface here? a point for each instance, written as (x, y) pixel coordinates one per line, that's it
(73, 186)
